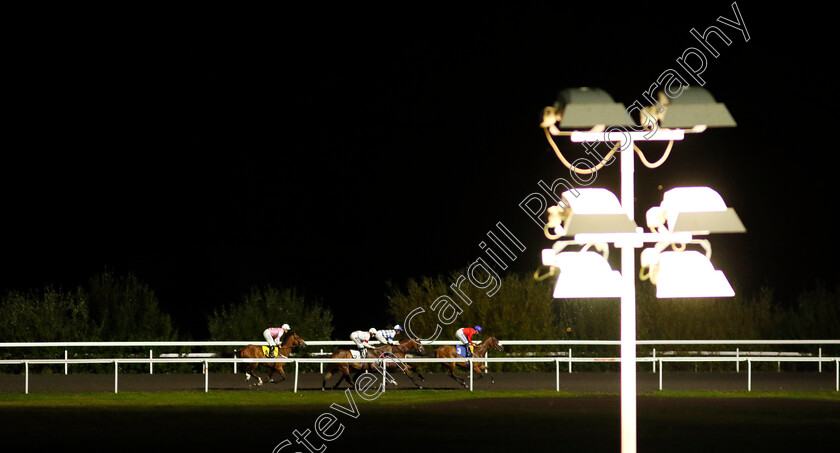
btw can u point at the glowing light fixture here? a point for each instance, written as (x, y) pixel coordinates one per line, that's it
(683, 274)
(694, 209)
(589, 210)
(583, 274)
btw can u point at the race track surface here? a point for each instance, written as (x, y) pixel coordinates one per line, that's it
(589, 423)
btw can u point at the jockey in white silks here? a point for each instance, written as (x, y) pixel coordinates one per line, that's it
(362, 339)
(273, 335)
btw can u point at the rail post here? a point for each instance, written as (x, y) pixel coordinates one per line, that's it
(819, 355)
(557, 376)
(749, 375)
(206, 377)
(151, 361)
(653, 363)
(116, 375)
(837, 375)
(570, 360)
(737, 361)
(66, 364)
(660, 374)
(26, 372)
(296, 374)
(470, 360)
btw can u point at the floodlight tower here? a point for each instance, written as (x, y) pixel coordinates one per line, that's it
(595, 218)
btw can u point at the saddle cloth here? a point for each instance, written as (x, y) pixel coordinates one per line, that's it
(276, 351)
(356, 353)
(462, 351)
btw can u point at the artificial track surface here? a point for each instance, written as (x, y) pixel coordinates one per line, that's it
(587, 423)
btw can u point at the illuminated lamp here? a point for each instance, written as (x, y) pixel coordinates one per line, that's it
(590, 210)
(697, 210)
(583, 274)
(684, 274)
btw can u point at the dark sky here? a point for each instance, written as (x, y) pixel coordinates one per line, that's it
(335, 149)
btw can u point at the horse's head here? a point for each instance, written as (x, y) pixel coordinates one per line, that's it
(493, 343)
(294, 340)
(414, 343)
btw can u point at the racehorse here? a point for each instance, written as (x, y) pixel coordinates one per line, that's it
(448, 352)
(347, 369)
(290, 341)
(399, 351)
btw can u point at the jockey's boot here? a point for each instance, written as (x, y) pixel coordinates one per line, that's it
(472, 347)
(271, 352)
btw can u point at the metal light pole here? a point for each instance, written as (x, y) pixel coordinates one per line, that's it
(628, 269)
(583, 112)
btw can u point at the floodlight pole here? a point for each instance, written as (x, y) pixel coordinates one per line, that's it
(628, 269)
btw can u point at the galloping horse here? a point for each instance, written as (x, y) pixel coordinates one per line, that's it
(290, 341)
(347, 369)
(399, 351)
(448, 352)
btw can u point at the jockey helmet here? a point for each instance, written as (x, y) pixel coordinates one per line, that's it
(372, 330)
(478, 328)
(285, 327)
(397, 327)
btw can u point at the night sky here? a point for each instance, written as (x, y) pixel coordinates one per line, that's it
(336, 149)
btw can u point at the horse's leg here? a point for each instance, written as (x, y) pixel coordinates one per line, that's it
(408, 373)
(279, 368)
(422, 379)
(324, 381)
(482, 370)
(375, 368)
(345, 375)
(454, 376)
(251, 372)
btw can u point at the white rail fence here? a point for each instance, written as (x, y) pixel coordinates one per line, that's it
(297, 361)
(737, 356)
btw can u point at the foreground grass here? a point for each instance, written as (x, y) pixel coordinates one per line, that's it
(252, 399)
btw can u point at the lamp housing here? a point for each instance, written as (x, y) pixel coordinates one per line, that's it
(695, 107)
(591, 210)
(698, 210)
(585, 108)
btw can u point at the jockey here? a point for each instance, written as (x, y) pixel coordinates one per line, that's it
(273, 336)
(361, 338)
(387, 336)
(465, 335)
